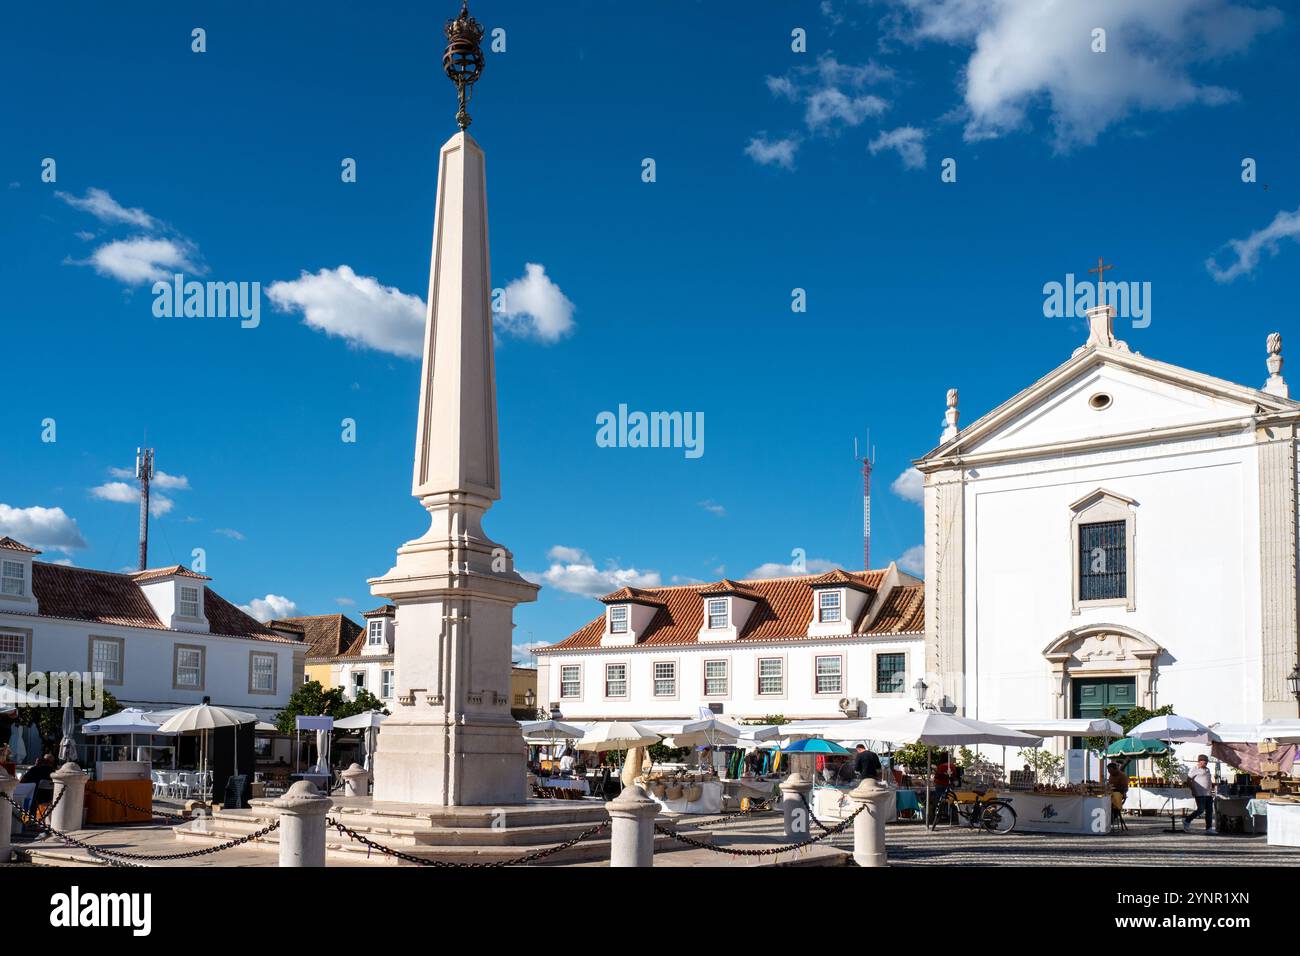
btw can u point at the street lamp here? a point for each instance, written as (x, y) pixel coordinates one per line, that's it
(1293, 681)
(920, 687)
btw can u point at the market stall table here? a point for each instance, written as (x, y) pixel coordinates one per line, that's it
(710, 799)
(1283, 823)
(1160, 799)
(102, 806)
(752, 787)
(564, 783)
(1060, 812)
(833, 803)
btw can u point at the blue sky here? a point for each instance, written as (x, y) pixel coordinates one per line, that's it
(775, 170)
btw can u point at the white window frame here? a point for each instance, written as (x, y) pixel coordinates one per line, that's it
(818, 675)
(780, 676)
(622, 680)
(10, 572)
(199, 668)
(359, 684)
(875, 673)
(254, 673)
(823, 609)
(387, 681)
(710, 610)
(620, 619)
(577, 680)
(655, 679)
(120, 655)
(375, 632)
(725, 678)
(24, 639)
(182, 601)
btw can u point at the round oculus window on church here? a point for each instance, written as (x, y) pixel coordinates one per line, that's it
(1100, 402)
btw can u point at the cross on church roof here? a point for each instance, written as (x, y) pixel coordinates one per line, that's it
(1101, 271)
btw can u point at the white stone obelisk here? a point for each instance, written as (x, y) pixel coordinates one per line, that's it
(451, 740)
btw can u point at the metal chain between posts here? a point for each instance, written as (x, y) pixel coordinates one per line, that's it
(811, 815)
(421, 861)
(771, 851)
(116, 857)
(162, 814)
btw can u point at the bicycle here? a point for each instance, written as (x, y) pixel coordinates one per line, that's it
(993, 815)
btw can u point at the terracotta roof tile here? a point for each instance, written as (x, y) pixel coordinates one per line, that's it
(82, 594)
(783, 610)
(903, 611)
(176, 570)
(326, 635)
(635, 595)
(727, 586)
(384, 610)
(9, 544)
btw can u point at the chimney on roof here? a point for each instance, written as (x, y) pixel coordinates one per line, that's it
(1276, 385)
(144, 471)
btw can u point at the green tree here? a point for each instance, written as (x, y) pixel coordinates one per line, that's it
(1047, 767)
(313, 700)
(48, 719)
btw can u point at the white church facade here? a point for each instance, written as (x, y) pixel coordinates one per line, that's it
(1122, 532)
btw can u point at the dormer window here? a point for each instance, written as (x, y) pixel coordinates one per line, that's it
(618, 619)
(187, 604)
(13, 578)
(717, 613)
(828, 607)
(375, 635)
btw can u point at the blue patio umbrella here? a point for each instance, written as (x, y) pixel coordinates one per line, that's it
(814, 745)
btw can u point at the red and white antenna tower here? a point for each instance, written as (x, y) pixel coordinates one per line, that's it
(867, 461)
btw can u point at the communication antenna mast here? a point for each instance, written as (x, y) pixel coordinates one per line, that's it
(867, 461)
(144, 471)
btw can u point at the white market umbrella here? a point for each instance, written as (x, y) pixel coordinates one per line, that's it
(131, 721)
(1077, 727)
(620, 735)
(1170, 728)
(936, 729)
(68, 745)
(369, 721)
(262, 727)
(17, 744)
(203, 719)
(549, 730)
(11, 697)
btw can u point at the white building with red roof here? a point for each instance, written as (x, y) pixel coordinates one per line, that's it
(157, 639)
(814, 646)
(1121, 533)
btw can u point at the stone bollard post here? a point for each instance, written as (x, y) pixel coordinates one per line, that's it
(869, 825)
(356, 781)
(632, 828)
(794, 807)
(302, 825)
(70, 781)
(8, 785)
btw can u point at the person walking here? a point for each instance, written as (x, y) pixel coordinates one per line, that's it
(1198, 778)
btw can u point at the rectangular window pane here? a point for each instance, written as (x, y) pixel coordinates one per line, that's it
(189, 602)
(715, 678)
(717, 613)
(13, 651)
(570, 680)
(263, 672)
(891, 672)
(615, 680)
(189, 672)
(829, 606)
(618, 619)
(1103, 568)
(770, 678)
(828, 675)
(386, 684)
(13, 577)
(106, 660)
(665, 679)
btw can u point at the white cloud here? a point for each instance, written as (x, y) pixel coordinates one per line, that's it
(767, 152)
(41, 528)
(907, 141)
(273, 606)
(829, 105)
(1030, 52)
(120, 491)
(355, 308)
(832, 95)
(1285, 225)
(161, 479)
(105, 208)
(345, 602)
(142, 259)
(774, 569)
(230, 533)
(910, 486)
(713, 508)
(533, 306)
(913, 560)
(573, 570)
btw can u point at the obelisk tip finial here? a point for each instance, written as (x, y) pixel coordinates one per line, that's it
(463, 59)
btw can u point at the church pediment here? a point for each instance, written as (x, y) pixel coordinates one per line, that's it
(1104, 393)
(1102, 644)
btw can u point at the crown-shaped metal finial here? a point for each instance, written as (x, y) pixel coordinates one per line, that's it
(463, 59)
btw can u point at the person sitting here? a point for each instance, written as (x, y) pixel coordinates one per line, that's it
(40, 771)
(1116, 779)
